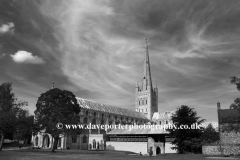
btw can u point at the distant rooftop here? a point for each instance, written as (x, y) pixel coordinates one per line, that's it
(163, 115)
(88, 104)
(229, 116)
(137, 131)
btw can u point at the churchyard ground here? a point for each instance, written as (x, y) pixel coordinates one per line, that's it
(42, 154)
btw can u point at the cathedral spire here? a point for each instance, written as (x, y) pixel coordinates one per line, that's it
(146, 100)
(147, 81)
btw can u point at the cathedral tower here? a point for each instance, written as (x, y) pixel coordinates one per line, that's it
(146, 100)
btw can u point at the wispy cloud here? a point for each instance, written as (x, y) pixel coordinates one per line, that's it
(26, 57)
(96, 49)
(2, 55)
(103, 50)
(93, 58)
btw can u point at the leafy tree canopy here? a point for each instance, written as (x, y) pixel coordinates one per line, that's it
(24, 126)
(210, 135)
(10, 108)
(56, 106)
(235, 104)
(186, 140)
(236, 81)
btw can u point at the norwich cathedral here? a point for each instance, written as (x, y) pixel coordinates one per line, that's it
(137, 140)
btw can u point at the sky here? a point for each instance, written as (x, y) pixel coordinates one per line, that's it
(95, 49)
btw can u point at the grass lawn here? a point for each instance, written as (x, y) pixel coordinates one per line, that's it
(42, 154)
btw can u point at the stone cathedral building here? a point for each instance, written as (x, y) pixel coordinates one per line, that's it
(139, 140)
(146, 96)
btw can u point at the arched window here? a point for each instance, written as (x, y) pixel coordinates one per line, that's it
(46, 141)
(94, 121)
(36, 141)
(86, 113)
(94, 114)
(97, 145)
(84, 139)
(59, 142)
(139, 103)
(74, 139)
(102, 122)
(146, 101)
(142, 102)
(85, 120)
(94, 143)
(166, 122)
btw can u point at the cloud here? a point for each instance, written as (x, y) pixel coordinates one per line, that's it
(98, 47)
(2, 55)
(7, 28)
(26, 57)
(104, 49)
(101, 62)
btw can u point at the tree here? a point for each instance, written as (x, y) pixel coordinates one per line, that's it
(209, 135)
(24, 126)
(56, 106)
(235, 104)
(236, 81)
(186, 140)
(9, 109)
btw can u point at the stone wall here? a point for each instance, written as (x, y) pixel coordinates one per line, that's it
(136, 147)
(216, 150)
(211, 150)
(230, 141)
(230, 137)
(231, 150)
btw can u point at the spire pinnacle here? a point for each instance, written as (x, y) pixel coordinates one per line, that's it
(145, 60)
(147, 73)
(146, 43)
(53, 85)
(146, 54)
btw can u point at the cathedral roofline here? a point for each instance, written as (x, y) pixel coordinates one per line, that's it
(89, 104)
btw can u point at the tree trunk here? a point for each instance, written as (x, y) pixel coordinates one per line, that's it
(1, 141)
(55, 144)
